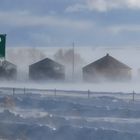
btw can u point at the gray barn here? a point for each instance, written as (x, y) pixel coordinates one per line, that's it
(106, 68)
(46, 69)
(8, 70)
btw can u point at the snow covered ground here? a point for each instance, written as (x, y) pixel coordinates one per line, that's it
(41, 115)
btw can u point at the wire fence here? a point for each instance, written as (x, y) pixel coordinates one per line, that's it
(67, 93)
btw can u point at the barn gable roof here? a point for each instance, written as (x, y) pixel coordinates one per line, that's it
(47, 61)
(107, 62)
(7, 65)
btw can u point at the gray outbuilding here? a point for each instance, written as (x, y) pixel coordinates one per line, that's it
(8, 70)
(46, 69)
(106, 68)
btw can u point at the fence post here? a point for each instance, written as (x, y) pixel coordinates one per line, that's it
(13, 91)
(88, 93)
(54, 92)
(24, 91)
(133, 94)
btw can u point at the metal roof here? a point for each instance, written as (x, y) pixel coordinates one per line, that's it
(7, 65)
(107, 62)
(47, 61)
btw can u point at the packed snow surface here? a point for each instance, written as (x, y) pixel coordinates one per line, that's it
(38, 116)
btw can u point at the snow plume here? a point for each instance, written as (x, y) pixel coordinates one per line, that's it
(105, 5)
(23, 57)
(70, 58)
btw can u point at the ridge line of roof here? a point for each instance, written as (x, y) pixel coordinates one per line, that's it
(107, 56)
(46, 59)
